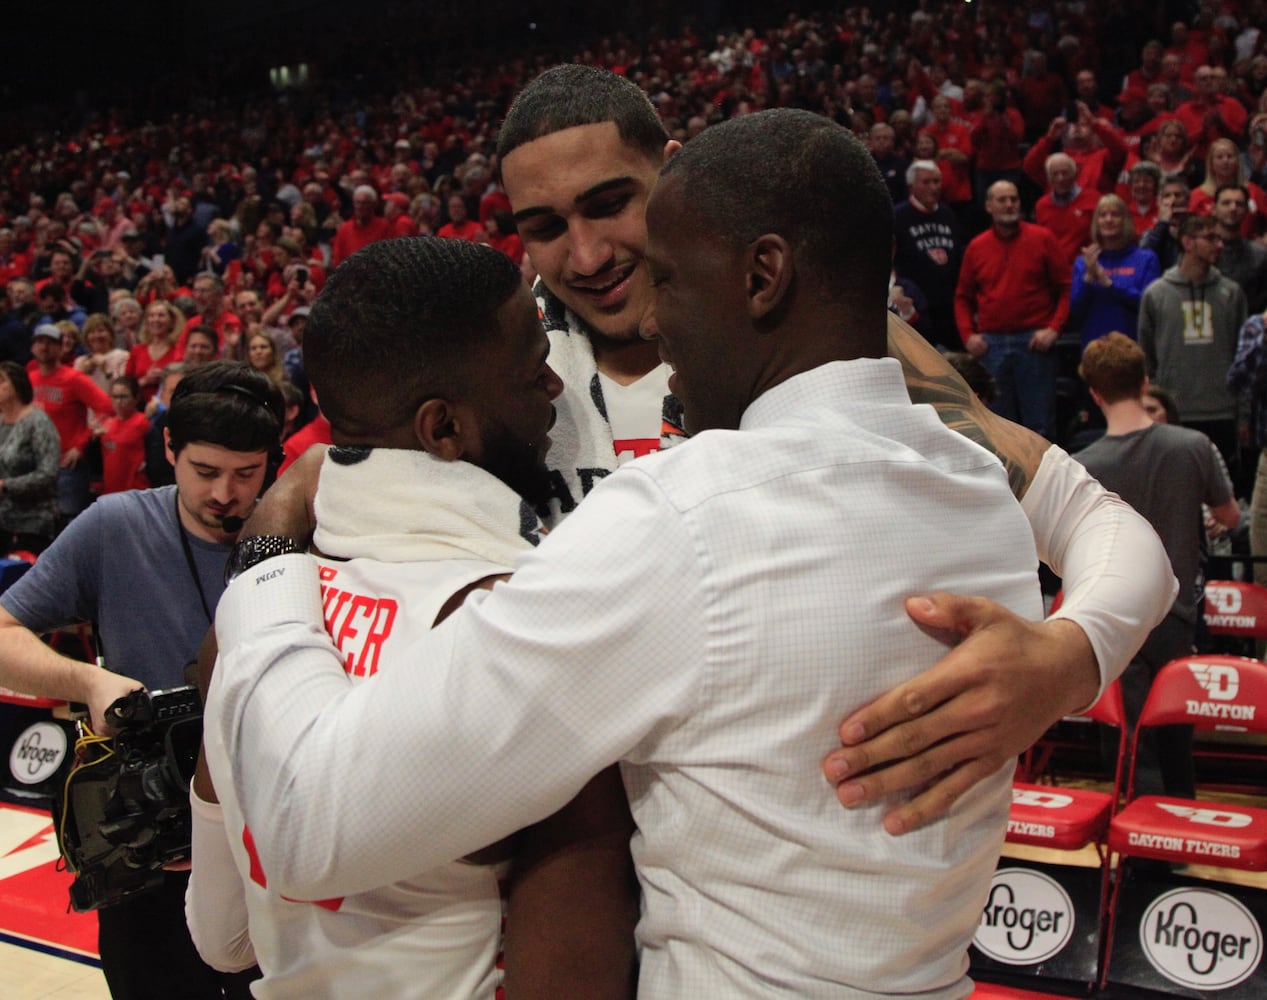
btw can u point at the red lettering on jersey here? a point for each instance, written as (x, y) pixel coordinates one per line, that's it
(258, 877)
(358, 624)
(257, 870)
(639, 446)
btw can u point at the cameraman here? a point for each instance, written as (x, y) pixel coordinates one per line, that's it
(147, 567)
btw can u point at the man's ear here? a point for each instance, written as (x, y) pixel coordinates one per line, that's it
(770, 267)
(167, 447)
(441, 430)
(670, 150)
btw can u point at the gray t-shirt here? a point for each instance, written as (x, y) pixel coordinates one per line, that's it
(121, 564)
(1166, 473)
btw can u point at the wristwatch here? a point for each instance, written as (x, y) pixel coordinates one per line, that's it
(252, 551)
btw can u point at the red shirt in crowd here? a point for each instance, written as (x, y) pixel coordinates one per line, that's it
(467, 229)
(351, 236)
(1070, 223)
(1012, 285)
(66, 396)
(123, 454)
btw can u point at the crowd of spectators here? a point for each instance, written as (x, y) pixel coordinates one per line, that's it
(208, 232)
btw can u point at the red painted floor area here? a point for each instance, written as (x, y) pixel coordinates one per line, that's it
(34, 900)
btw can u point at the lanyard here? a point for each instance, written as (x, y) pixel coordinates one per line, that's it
(189, 559)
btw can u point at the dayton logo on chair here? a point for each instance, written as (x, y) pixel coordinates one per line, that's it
(1221, 683)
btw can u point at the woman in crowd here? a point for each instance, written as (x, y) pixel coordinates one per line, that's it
(1110, 276)
(1174, 152)
(72, 342)
(29, 454)
(157, 349)
(128, 316)
(123, 440)
(503, 236)
(104, 362)
(1160, 405)
(261, 354)
(1223, 167)
(1143, 188)
(220, 249)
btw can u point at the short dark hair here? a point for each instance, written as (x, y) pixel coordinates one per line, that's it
(19, 379)
(1195, 225)
(208, 331)
(1231, 187)
(570, 95)
(229, 404)
(1114, 366)
(397, 323)
(130, 381)
(804, 177)
(1167, 402)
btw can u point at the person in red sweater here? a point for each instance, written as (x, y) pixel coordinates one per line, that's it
(1011, 302)
(362, 229)
(66, 396)
(954, 158)
(213, 311)
(13, 263)
(1099, 162)
(997, 131)
(396, 211)
(1066, 209)
(1211, 115)
(460, 225)
(123, 440)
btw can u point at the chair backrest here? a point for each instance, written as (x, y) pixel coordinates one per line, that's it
(1237, 609)
(1209, 692)
(1109, 709)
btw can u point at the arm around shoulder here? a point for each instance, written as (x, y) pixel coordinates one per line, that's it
(1008, 680)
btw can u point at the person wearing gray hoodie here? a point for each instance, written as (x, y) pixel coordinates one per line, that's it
(1188, 323)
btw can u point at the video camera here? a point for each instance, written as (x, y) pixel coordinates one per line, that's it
(122, 812)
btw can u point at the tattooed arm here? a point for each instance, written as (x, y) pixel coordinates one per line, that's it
(930, 379)
(1007, 680)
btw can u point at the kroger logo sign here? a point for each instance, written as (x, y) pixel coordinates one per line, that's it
(37, 753)
(1201, 939)
(1028, 918)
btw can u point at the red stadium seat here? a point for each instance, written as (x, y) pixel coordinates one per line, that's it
(1177, 933)
(1068, 896)
(1211, 693)
(1067, 819)
(1236, 609)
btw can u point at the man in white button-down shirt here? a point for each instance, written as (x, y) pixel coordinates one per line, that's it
(703, 619)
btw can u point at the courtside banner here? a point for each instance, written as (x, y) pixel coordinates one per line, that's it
(1190, 938)
(1039, 920)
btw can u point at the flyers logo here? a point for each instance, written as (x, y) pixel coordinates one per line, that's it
(1040, 800)
(1220, 683)
(1226, 600)
(1207, 817)
(938, 255)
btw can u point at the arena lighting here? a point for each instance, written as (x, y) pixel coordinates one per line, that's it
(286, 77)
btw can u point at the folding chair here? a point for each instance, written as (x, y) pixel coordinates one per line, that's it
(1236, 610)
(1180, 934)
(1066, 901)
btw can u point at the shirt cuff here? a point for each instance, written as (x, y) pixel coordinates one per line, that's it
(278, 591)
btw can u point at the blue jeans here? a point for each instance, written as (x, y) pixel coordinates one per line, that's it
(1024, 381)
